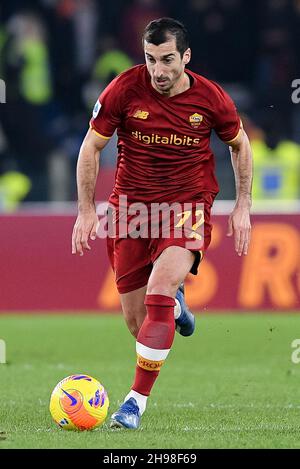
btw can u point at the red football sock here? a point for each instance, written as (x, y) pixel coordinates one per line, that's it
(154, 341)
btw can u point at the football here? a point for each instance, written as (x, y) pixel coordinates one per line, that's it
(79, 402)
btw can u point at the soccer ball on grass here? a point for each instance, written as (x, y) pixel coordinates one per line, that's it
(79, 402)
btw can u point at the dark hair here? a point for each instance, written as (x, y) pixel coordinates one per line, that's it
(158, 32)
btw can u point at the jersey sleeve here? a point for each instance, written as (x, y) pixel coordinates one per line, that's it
(108, 110)
(227, 122)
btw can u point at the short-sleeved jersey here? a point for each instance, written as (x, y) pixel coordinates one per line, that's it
(163, 142)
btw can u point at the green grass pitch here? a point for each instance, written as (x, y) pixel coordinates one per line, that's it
(231, 385)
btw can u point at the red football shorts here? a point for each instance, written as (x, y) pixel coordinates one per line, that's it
(135, 246)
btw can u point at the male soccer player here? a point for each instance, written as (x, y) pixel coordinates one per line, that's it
(164, 115)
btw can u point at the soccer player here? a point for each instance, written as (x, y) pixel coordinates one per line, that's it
(164, 115)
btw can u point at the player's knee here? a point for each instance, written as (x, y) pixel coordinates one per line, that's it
(163, 286)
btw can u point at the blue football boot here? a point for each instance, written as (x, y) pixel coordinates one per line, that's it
(128, 415)
(185, 323)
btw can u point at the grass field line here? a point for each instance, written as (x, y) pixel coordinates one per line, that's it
(57, 366)
(238, 406)
(235, 406)
(243, 428)
(251, 406)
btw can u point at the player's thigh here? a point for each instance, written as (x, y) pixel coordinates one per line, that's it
(131, 262)
(169, 270)
(134, 309)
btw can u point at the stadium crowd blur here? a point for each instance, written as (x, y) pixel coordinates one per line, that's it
(57, 55)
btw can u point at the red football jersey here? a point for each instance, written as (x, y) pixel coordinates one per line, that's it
(163, 142)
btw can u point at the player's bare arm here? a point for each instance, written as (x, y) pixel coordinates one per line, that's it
(239, 220)
(87, 171)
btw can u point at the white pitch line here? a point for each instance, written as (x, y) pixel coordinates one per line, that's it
(236, 406)
(251, 428)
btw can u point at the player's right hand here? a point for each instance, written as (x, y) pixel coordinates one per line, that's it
(85, 227)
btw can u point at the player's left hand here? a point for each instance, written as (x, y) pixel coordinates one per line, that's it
(239, 225)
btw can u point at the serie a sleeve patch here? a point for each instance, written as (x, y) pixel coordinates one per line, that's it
(96, 109)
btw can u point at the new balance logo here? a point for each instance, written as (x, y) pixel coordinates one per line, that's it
(141, 114)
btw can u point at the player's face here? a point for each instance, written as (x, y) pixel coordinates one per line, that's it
(165, 65)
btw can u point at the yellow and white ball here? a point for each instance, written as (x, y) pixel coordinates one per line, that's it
(79, 402)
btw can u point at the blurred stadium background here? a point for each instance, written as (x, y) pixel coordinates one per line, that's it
(241, 388)
(55, 58)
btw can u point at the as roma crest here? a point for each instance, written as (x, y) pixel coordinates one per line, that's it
(195, 120)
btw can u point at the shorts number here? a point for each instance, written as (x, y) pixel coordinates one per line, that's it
(185, 216)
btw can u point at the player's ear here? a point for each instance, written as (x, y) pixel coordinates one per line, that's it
(187, 56)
